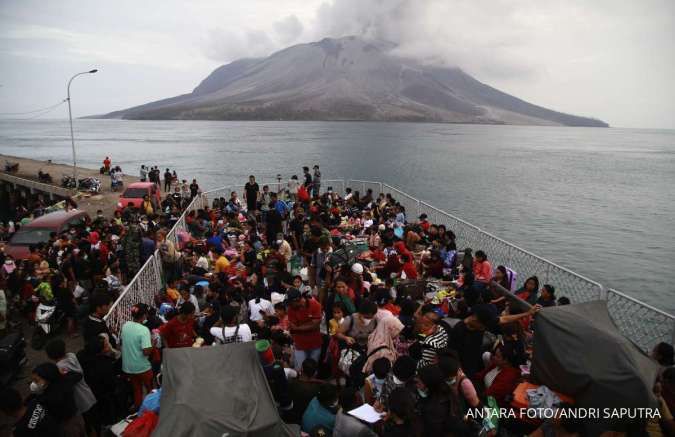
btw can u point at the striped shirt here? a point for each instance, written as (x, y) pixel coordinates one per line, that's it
(430, 345)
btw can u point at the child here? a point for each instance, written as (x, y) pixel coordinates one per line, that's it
(305, 290)
(338, 316)
(172, 292)
(375, 381)
(282, 316)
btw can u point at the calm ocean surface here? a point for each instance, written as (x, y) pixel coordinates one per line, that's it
(600, 202)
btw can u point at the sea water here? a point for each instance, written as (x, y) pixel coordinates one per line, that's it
(600, 202)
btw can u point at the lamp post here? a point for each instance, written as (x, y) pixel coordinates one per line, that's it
(70, 117)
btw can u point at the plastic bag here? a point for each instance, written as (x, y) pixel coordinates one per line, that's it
(142, 426)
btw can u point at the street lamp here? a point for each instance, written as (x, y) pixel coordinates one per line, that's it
(70, 116)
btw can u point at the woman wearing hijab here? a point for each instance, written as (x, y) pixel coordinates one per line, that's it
(381, 342)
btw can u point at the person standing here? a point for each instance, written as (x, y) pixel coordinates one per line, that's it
(308, 178)
(144, 173)
(168, 177)
(136, 348)
(106, 164)
(251, 190)
(304, 318)
(316, 183)
(194, 189)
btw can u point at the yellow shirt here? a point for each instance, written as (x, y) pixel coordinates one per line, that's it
(172, 293)
(333, 326)
(222, 264)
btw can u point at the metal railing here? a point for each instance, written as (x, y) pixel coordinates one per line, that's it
(35, 185)
(643, 324)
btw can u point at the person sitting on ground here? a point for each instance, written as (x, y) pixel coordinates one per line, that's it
(302, 390)
(547, 298)
(462, 386)
(186, 296)
(375, 381)
(401, 420)
(482, 270)
(434, 338)
(436, 404)
(402, 376)
(321, 410)
(501, 377)
(347, 425)
(529, 291)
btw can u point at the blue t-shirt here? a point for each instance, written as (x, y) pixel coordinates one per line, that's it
(316, 415)
(281, 208)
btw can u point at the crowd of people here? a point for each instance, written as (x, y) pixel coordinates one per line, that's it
(348, 299)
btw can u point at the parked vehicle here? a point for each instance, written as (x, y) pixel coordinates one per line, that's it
(44, 177)
(11, 167)
(38, 231)
(93, 185)
(12, 357)
(135, 192)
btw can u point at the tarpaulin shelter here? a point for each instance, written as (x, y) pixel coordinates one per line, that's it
(579, 351)
(217, 391)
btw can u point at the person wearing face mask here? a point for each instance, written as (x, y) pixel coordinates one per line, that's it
(52, 395)
(402, 376)
(356, 328)
(462, 387)
(436, 404)
(32, 419)
(321, 410)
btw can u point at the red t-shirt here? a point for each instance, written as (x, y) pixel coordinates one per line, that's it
(177, 334)
(410, 270)
(311, 311)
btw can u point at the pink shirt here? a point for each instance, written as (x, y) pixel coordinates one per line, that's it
(482, 271)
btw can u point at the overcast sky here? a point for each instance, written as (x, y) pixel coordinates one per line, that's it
(610, 59)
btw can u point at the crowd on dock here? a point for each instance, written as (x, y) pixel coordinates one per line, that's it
(348, 299)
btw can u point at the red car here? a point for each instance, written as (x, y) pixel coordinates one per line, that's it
(38, 231)
(135, 192)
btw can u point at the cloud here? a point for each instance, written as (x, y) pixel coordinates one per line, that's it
(288, 29)
(226, 45)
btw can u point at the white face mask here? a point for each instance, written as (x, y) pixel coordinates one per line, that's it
(422, 393)
(379, 381)
(396, 380)
(36, 388)
(366, 322)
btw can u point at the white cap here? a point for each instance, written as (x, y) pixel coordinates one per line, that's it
(357, 268)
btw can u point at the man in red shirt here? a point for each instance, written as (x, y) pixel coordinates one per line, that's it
(304, 318)
(424, 222)
(180, 331)
(409, 266)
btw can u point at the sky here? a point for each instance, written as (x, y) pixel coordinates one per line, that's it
(609, 59)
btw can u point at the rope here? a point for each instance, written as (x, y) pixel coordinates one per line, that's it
(40, 112)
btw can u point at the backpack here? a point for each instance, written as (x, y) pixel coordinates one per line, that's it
(231, 339)
(351, 363)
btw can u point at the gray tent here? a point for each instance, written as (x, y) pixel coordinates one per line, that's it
(217, 391)
(579, 351)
